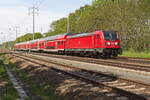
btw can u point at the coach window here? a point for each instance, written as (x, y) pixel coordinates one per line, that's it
(62, 42)
(41, 44)
(59, 43)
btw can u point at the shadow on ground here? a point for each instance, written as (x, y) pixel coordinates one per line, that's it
(65, 85)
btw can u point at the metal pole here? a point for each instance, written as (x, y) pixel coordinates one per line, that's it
(33, 10)
(33, 22)
(2, 40)
(16, 32)
(9, 44)
(68, 25)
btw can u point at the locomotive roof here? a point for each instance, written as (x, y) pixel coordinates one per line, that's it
(81, 35)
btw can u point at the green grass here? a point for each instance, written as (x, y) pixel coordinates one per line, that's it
(136, 54)
(8, 92)
(44, 91)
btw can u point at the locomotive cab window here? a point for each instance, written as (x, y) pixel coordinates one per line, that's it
(110, 35)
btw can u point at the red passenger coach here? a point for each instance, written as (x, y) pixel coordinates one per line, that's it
(55, 43)
(20, 46)
(33, 45)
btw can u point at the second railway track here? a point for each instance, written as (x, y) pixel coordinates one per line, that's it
(123, 63)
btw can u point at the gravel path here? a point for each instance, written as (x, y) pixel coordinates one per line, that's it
(16, 84)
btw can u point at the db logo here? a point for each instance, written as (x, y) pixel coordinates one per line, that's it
(112, 43)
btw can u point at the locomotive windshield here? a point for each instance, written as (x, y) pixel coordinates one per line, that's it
(110, 35)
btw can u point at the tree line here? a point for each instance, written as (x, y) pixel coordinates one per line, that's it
(131, 18)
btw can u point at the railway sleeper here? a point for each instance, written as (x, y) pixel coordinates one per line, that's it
(97, 82)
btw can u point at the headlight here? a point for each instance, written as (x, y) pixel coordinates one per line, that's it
(107, 43)
(116, 43)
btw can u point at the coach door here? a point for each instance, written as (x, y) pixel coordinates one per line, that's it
(56, 44)
(60, 44)
(41, 45)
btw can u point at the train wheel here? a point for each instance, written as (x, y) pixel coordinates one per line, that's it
(82, 54)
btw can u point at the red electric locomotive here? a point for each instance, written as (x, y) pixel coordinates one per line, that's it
(98, 43)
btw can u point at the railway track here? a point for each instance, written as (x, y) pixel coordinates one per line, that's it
(134, 59)
(110, 62)
(128, 88)
(140, 61)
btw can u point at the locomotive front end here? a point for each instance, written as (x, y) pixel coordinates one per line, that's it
(111, 44)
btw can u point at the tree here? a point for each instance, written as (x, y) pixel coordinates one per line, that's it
(28, 37)
(130, 17)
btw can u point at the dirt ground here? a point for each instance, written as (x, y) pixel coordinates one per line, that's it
(64, 85)
(3, 83)
(2, 87)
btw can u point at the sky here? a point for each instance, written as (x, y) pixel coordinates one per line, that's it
(15, 13)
